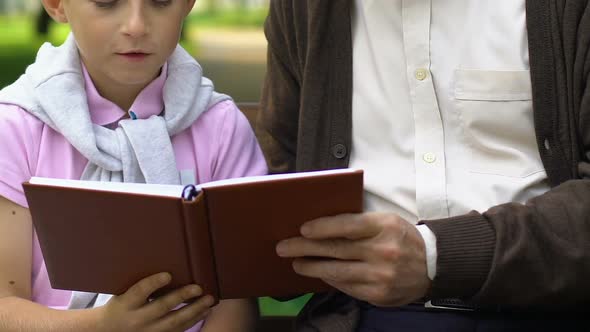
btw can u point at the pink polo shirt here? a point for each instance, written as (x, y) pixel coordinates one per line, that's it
(219, 145)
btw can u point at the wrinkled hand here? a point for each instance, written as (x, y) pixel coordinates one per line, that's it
(133, 312)
(375, 257)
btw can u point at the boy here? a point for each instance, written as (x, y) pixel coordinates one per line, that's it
(118, 101)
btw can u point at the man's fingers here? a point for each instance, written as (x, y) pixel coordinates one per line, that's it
(138, 294)
(185, 317)
(330, 248)
(163, 305)
(348, 226)
(332, 270)
(356, 279)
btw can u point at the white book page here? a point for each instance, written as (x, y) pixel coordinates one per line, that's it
(174, 190)
(263, 178)
(135, 188)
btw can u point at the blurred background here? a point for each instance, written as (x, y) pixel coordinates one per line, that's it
(225, 36)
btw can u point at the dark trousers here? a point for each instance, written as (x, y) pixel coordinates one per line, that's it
(414, 318)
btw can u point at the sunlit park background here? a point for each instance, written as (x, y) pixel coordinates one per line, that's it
(225, 36)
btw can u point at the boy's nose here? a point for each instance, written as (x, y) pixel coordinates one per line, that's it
(135, 24)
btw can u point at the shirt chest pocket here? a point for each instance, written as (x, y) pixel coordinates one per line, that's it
(496, 112)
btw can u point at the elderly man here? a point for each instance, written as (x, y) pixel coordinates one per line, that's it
(471, 120)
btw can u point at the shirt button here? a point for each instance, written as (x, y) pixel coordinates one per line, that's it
(429, 157)
(339, 151)
(421, 74)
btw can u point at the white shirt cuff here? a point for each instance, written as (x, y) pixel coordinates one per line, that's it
(431, 254)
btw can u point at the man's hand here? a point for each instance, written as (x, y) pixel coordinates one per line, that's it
(376, 257)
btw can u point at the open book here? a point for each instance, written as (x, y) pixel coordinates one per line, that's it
(104, 237)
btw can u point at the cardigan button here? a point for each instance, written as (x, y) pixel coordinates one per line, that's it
(339, 151)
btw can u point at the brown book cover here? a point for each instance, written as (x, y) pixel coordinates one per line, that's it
(104, 237)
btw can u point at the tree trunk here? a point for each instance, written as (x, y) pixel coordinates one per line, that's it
(43, 21)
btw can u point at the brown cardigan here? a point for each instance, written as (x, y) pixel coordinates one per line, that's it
(518, 255)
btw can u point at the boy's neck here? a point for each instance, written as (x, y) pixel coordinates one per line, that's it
(122, 95)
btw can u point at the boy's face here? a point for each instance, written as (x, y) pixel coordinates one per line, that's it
(126, 41)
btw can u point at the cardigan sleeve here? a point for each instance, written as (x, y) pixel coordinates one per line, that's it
(277, 122)
(535, 254)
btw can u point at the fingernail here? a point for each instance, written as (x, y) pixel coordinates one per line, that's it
(281, 249)
(165, 278)
(305, 230)
(209, 300)
(195, 290)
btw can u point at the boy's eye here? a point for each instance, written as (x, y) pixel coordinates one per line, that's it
(112, 3)
(105, 3)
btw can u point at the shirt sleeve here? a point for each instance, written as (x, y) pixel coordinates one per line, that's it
(19, 140)
(239, 154)
(431, 253)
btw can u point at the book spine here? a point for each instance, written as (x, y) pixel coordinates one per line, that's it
(199, 245)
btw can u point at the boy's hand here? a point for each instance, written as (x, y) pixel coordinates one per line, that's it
(132, 311)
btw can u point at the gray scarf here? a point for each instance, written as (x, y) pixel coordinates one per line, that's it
(52, 89)
(140, 151)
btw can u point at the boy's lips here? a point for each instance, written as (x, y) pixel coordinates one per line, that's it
(134, 55)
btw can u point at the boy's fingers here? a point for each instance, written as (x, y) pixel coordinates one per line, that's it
(138, 294)
(186, 317)
(163, 305)
(194, 321)
(195, 318)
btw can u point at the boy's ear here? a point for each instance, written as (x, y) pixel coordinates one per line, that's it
(189, 7)
(55, 9)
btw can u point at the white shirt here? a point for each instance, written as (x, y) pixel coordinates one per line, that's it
(442, 110)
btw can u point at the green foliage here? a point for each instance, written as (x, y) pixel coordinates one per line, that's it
(19, 44)
(229, 18)
(14, 62)
(271, 307)
(20, 30)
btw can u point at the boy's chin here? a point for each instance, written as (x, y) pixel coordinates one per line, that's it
(135, 79)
